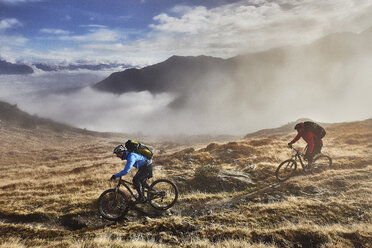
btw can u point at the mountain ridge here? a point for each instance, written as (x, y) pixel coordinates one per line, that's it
(184, 76)
(152, 77)
(10, 68)
(12, 116)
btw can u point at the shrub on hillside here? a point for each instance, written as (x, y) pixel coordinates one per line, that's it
(206, 172)
(260, 142)
(212, 178)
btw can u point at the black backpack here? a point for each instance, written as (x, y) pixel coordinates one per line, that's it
(137, 147)
(315, 128)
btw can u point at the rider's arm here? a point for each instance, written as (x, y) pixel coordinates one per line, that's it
(128, 166)
(298, 136)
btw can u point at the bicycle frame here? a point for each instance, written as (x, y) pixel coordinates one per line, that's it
(298, 155)
(124, 183)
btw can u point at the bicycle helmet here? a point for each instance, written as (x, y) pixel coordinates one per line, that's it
(299, 125)
(119, 148)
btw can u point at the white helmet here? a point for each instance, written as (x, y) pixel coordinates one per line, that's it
(119, 148)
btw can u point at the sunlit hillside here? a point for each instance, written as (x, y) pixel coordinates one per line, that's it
(51, 178)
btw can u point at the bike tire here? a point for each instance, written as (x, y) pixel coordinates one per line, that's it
(162, 194)
(112, 209)
(321, 163)
(285, 170)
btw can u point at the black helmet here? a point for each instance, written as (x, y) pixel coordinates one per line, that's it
(299, 125)
(119, 148)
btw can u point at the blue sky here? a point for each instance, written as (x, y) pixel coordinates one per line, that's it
(141, 32)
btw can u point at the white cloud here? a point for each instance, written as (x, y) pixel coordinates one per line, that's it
(18, 1)
(93, 26)
(10, 47)
(54, 31)
(95, 35)
(249, 26)
(10, 43)
(9, 23)
(224, 31)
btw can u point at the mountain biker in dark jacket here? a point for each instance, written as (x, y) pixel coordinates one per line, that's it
(314, 144)
(143, 165)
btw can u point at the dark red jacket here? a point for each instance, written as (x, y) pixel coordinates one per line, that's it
(309, 137)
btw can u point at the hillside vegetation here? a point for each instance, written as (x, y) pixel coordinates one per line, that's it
(229, 197)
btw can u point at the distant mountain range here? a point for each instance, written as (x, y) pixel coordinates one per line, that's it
(190, 76)
(74, 67)
(10, 68)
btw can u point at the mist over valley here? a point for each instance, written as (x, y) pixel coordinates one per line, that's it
(327, 80)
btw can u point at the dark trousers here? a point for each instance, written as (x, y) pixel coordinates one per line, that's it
(139, 180)
(317, 149)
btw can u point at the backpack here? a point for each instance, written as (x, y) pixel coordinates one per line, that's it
(315, 128)
(137, 147)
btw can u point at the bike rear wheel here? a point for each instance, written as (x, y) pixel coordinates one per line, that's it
(162, 194)
(320, 164)
(286, 169)
(113, 204)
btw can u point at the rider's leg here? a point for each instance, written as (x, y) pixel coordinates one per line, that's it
(137, 185)
(139, 180)
(148, 175)
(318, 147)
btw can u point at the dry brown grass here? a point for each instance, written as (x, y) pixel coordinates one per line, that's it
(50, 181)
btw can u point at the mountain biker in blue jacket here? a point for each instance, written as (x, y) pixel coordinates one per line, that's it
(143, 165)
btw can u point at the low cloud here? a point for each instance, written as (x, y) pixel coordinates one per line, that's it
(329, 92)
(87, 108)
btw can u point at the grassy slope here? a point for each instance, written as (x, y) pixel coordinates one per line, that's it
(49, 183)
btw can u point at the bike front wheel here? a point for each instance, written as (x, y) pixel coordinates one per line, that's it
(162, 194)
(320, 164)
(113, 204)
(285, 170)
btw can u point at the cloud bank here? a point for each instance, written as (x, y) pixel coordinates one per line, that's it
(269, 94)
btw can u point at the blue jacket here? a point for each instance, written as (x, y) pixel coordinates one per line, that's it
(133, 159)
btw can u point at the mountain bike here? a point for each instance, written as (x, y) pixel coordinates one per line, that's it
(113, 204)
(288, 167)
